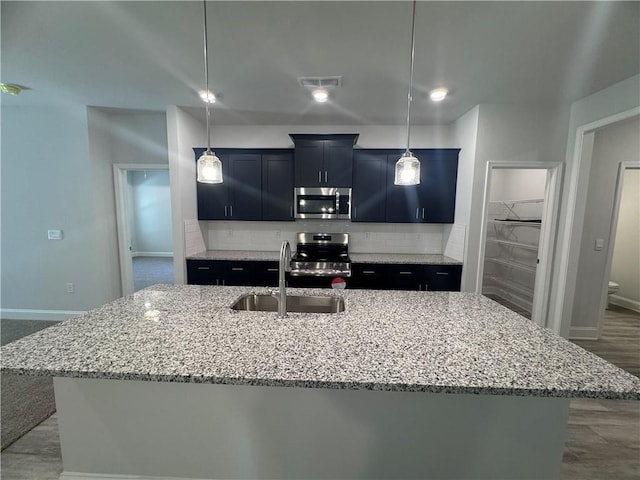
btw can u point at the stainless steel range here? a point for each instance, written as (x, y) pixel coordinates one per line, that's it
(322, 255)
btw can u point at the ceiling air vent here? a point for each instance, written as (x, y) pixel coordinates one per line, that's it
(320, 82)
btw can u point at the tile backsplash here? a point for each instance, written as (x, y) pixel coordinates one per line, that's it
(364, 237)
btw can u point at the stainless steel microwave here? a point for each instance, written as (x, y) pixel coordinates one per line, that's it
(322, 202)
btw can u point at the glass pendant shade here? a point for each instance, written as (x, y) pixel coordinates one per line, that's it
(407, 170)
(209, 168)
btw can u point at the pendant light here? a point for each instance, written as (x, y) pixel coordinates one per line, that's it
(209, 166)
(408, 166)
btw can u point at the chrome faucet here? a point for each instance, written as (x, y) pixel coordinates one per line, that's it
(284, 266)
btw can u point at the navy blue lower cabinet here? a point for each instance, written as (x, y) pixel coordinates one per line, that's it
(232, 272)
(445, 278)
(386, 276)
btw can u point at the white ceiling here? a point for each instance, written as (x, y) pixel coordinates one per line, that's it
(147, 55)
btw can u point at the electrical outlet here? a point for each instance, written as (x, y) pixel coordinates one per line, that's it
(367, 235)
(71, 288)
(277, 233)
(54, 234)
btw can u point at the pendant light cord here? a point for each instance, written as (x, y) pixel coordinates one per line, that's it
(413, 41)
(206, 77)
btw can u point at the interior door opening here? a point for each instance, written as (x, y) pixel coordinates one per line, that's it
(144, 226)
(518, 229)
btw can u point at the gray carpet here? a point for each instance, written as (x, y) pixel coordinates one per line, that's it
(25, 401)
(149, 271)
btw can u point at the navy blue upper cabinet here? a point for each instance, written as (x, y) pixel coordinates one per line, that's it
(323, 160)
(434, 199)
(438, 177)
(213, 199)
(369, 195)
(258, 185)
(277, 186)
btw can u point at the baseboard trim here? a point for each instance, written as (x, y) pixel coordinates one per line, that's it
(583, 333)
(152, 254)
(102, 476)
(26, 314)
(624, 302)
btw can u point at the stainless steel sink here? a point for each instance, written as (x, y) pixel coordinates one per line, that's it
(295, 303)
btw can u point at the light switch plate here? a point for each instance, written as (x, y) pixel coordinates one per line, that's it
(54, 234)
(599, 245)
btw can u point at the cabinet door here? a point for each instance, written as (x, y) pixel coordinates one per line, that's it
(238, 273)
(203, 272)
(369, 196)
(213, 199)
(439, 173)
(338, 161)
(403, 201)
(309, 163)
(245, 186)
(443, 277)
(277, 186)
(405, 277)
(266, 274)
(371, 276)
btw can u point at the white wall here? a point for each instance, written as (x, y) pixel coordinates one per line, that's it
(612, 145)
(47, 182)
(517, 184)
(72, 190)
(610, 104)
(625, 269)
(151, 212)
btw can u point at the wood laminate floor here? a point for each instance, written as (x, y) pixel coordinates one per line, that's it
(603, 439)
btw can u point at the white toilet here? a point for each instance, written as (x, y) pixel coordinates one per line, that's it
(611, 289)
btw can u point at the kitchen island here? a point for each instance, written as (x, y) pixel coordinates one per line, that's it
(170, 382)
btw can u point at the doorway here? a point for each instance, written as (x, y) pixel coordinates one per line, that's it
(518, 230)
(623, 255)
(143, 211)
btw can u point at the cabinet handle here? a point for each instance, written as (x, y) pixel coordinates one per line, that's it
(368, 272)
(325, 177)
(291, 210)
(426, 287)
(223, 281)
(225, 210)
(355, 212)
(204, 268)
(231, 210)
(423, 213)
(237, 269)
(217, 281)
(272, 269)
(417, 212)
(442, 273)
(319, 176)
(405, 273)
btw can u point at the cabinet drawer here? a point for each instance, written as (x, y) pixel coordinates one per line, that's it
(203, 272)
(443, 277)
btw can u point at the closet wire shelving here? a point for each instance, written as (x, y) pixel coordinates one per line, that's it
(511, 253)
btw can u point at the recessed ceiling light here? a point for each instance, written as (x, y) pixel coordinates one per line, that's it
(438, 94)
(207, 96)
(320, 95)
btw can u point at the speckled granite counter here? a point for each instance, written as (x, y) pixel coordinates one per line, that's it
(385, 340)
(424, 259)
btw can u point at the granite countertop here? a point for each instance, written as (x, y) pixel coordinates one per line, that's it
(425, 259)
(385, 340)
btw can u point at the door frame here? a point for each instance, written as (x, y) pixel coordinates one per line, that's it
(622, 168)
(120, 171)
(548, 230)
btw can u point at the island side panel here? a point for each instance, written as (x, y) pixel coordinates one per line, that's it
(159, 429)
